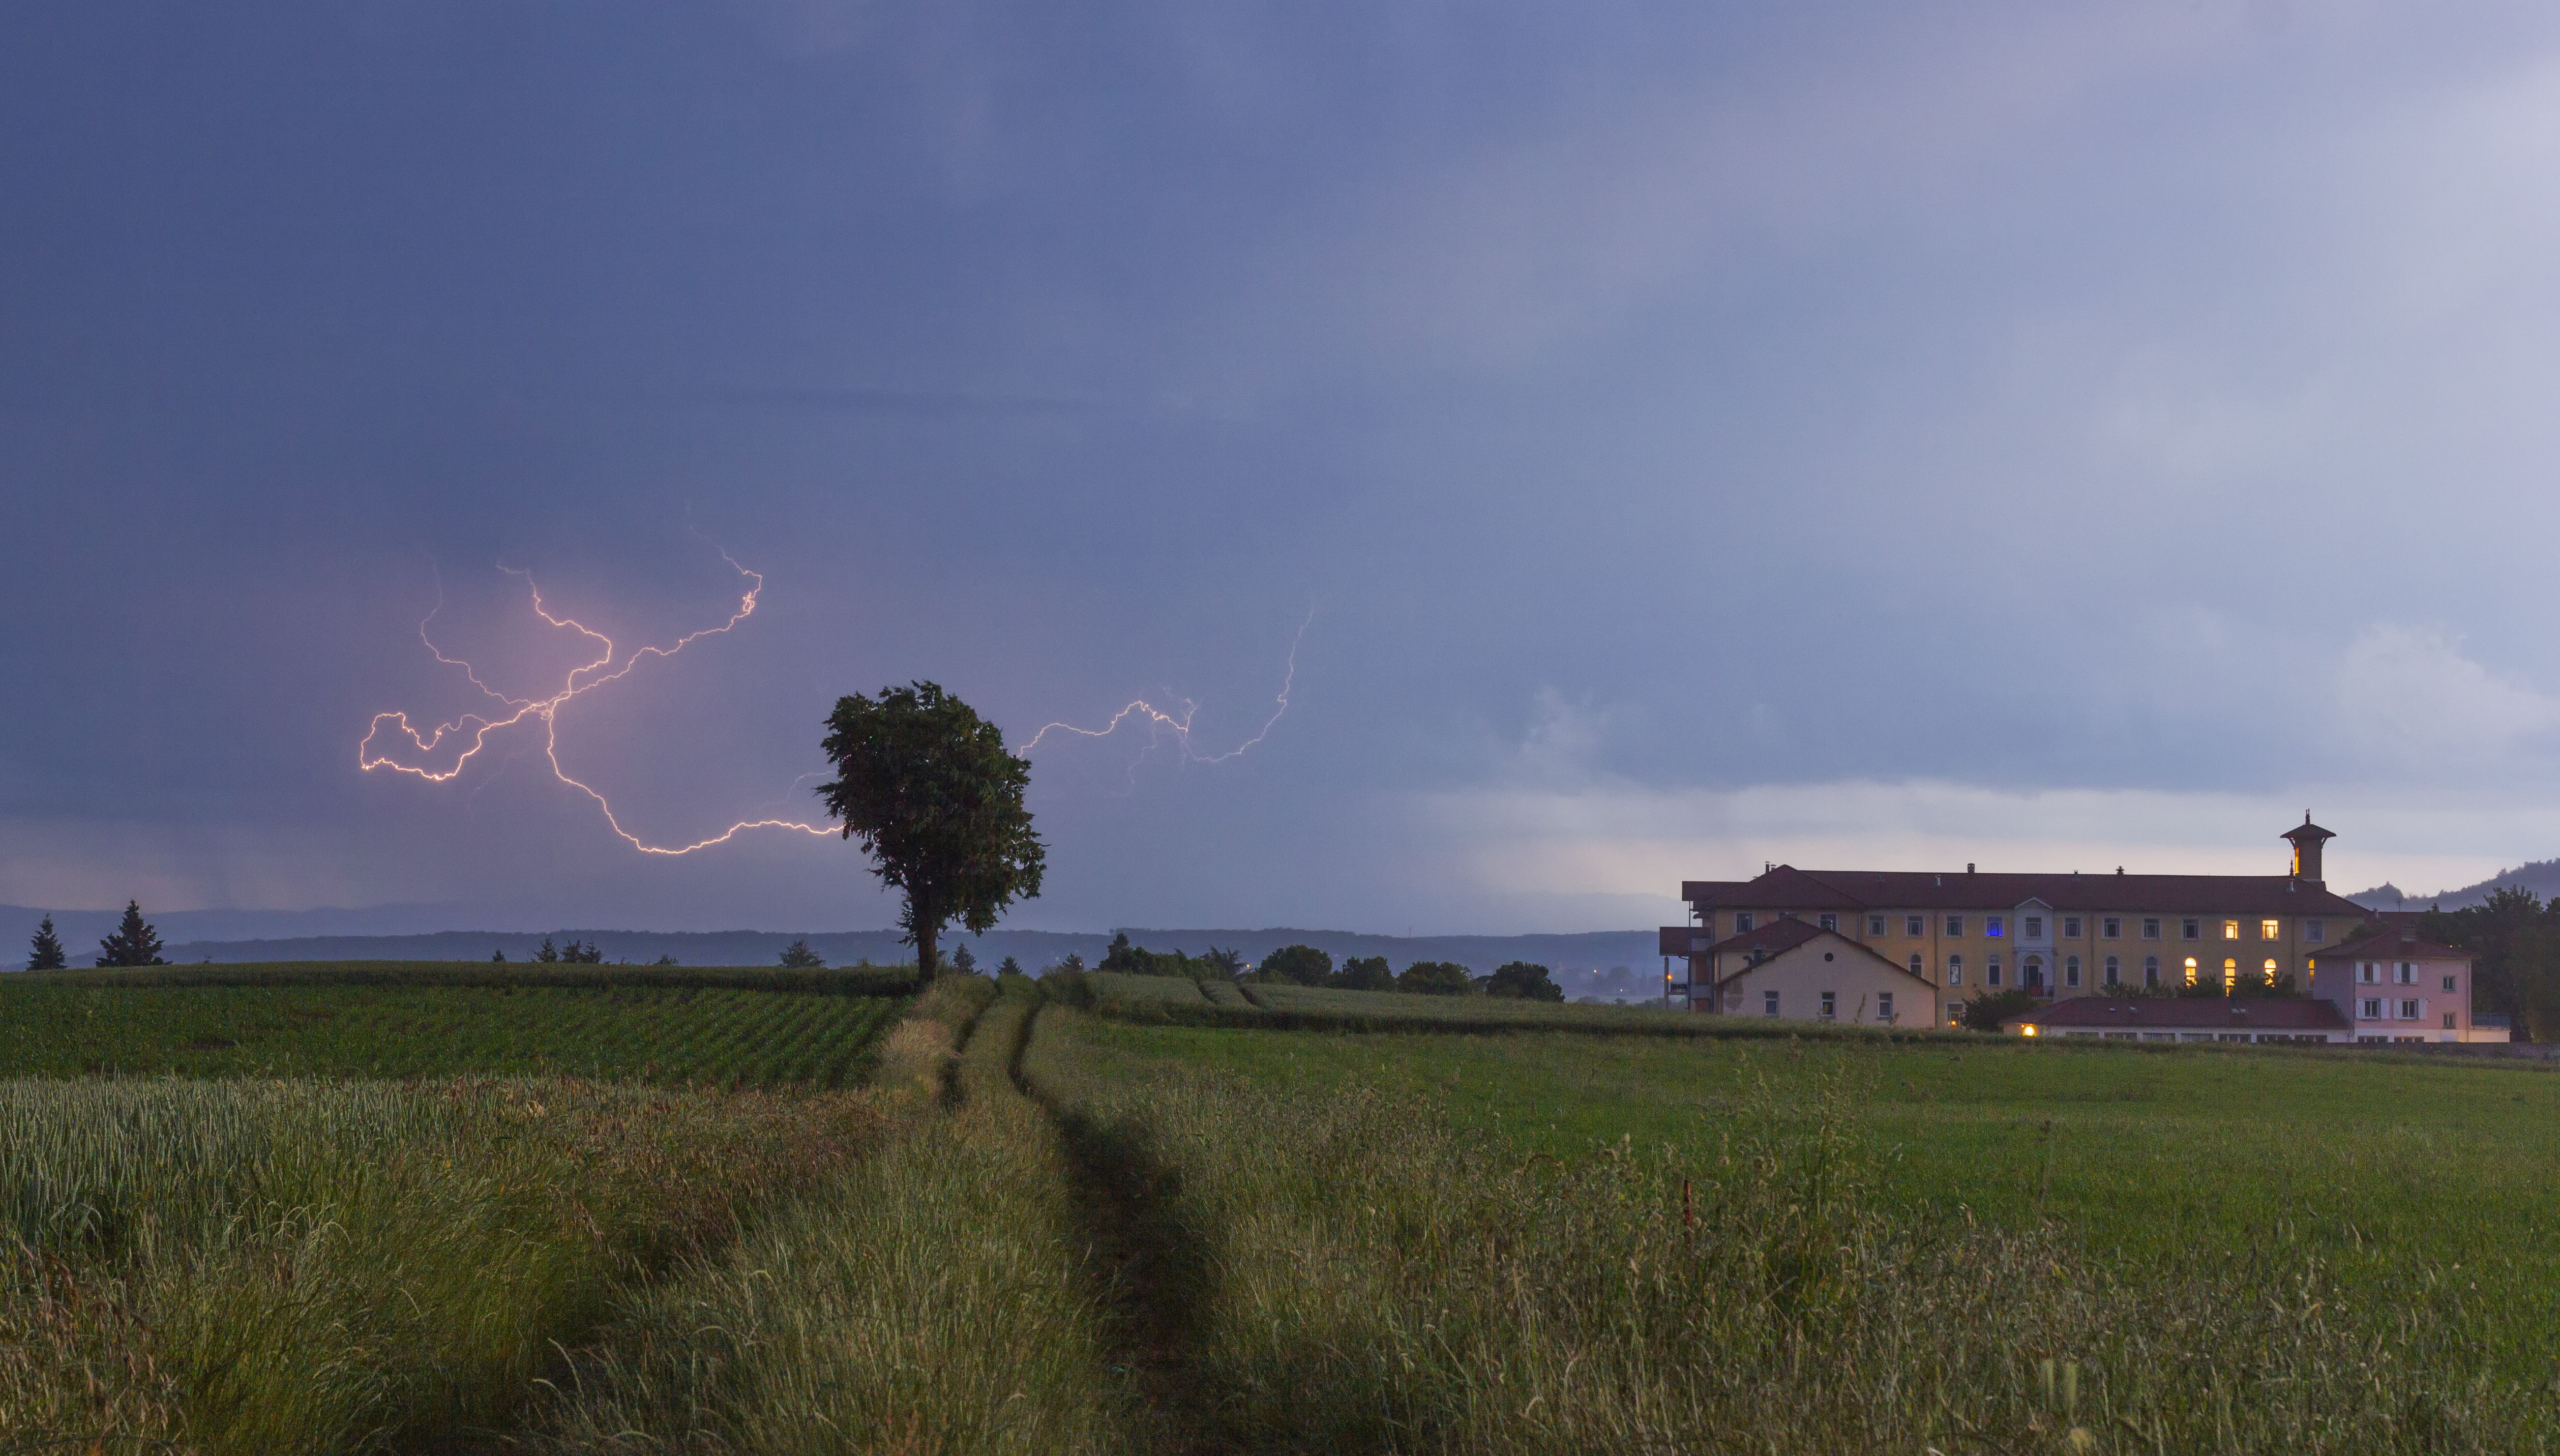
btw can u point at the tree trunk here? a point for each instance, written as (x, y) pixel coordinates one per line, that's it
(926, 962)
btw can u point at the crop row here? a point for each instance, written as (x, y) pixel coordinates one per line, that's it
(720, 1036)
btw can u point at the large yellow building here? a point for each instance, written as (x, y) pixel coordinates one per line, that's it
(2053, 936)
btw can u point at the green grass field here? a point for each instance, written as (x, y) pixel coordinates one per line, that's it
(66, 1027)
(1130, 1214)
(2135, 1151)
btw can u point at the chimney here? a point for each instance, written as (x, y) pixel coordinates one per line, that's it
(1969, 869)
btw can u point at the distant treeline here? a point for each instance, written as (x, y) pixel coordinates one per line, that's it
(1306, 965)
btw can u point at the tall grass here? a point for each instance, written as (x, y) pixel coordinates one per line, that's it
(934, 1299)
(1368, 1280)
(311, 1267)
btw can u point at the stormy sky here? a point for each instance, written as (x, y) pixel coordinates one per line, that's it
(1691, 435)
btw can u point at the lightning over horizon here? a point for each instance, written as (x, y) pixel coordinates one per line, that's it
(608, 665)
(1159, 720)
(546, 711)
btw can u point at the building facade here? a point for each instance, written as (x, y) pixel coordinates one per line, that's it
(2396, 988)
(2056, 937)
(1798, 970)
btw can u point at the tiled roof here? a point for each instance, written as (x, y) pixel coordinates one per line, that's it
(2391, 944)
(1788, 887)
(1780, 935)
(2188, 1013)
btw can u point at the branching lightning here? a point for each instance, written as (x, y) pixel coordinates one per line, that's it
(1178, 723)
(585, 678)
(393, 743)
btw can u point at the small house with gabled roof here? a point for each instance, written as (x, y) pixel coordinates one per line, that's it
(1797, 970)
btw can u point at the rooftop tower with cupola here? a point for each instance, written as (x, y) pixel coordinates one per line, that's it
(2307, 849)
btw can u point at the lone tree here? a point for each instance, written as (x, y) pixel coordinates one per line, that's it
(134, 942)
(936, 800)
(45, 952)
(800, 957)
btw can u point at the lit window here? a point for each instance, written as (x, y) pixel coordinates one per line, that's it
(2314, 930)
(1915, 924)
(2271, 973)
(1991, 926)
(2407, 975)
(1990, 970)
(1955, 970)
(1955, 924)
(2035, 927)
(2151, 929)
(1875, 924)
(2112, 970)
(2230, 929)
(2190, 970)
(2369, 1009)
(2190, 929)
(1742, 923)
(1830, 1006)
(2071, 971)
(2408, 1010)
(1884, 1005)
(2112, 929)
(1768, 1003)
(2151, 971)
(2269, 931)
(2230, 976)
(2449, 984)
(2070, 927)
(1828, 923)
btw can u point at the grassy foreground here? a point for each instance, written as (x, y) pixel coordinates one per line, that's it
(1362, 1271)
(255, 1266)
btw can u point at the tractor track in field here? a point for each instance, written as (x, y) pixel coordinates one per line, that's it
(1148, 1269)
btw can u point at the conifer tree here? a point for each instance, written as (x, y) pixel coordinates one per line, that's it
(45, 953)
(799, 957)
(134, 943)
(549, 954)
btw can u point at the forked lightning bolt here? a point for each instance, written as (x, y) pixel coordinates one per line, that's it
(583, 678)
(1178, 725)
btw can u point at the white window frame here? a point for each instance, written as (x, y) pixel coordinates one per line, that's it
(1955, 970)
(2271, 929)
(1990, 970)
(1828, 922)
(1884, 1005)
(2411, 1009)
(2071, 972)
(2111, 927)
(1991, 927)
(2035, 927)
(2406, 974)
(1954, 927)
(1768, 1003)
(1915, 926)
(2070, 927)
(2151, 927)
(2368, 1009)
(1830, 1006)
(2367, 973)
(1875, 924)
(2114, 970)
(1741, 922)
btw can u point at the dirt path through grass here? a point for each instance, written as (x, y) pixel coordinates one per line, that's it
(1147, 1268)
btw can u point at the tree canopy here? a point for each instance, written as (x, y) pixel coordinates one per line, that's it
(799, 957)
(1299, 965)
(1524, 980)
(134, 942)
(1434, 978)
(1364, 973)
(936, 800)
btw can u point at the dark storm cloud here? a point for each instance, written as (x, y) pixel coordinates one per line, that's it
(1712, 433)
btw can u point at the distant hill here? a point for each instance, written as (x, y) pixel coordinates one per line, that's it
(2542, 878)
(1604, 963)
